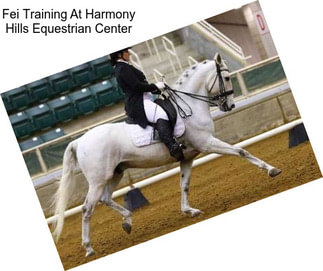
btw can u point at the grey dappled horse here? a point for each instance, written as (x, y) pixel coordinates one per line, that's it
(104, 152)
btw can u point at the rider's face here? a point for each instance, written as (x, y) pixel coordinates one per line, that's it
(126, 55)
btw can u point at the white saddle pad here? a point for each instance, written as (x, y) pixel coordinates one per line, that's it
(143, 137)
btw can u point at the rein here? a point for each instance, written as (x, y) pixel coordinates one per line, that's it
(172, 94)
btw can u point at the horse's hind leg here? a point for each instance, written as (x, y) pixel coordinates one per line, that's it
(186, 168)
(107, 199)
(215, 145)
(92, 198)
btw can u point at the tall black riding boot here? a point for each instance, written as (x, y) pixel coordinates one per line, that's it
(165, 132)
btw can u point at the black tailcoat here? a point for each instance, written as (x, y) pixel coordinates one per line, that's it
(133, 83)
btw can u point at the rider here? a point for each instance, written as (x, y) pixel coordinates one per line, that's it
(139, 103)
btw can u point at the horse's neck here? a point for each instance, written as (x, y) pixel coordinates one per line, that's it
(200, 123)
(195, 84)
(194, 80)
(201, 116)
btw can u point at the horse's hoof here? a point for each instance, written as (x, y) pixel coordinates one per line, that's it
(89, 252)
(193, 212)
(274, 172)
(126, 227)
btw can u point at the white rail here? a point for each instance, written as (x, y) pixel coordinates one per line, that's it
(158, 73)
(170, 49)
(197, 162)
(191, 61)
(135, 60)
(212, 33)
(155, 47)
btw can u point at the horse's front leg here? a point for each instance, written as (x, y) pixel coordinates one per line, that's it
(186, 168)
(215, 145)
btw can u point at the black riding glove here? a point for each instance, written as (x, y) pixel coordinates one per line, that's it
(159, 87)
(156, 90)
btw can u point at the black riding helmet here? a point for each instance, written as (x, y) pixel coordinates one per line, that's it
(114, 56)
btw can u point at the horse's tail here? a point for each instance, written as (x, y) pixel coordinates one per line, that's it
(65, 188)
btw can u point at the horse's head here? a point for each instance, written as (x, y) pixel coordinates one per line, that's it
(219, 85)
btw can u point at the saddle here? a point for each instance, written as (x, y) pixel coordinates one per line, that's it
(149, 135)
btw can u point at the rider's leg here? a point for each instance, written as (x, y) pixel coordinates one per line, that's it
(153, 111)
(156, 114)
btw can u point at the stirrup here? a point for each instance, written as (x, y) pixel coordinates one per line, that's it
(183, 146)
(177, 152)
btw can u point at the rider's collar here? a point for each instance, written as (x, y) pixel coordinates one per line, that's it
(123, 61)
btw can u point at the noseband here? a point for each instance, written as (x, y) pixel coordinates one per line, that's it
(216, 100)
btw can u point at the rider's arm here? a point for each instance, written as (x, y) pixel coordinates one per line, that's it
(132, 81)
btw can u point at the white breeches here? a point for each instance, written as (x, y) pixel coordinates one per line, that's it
(153, 111)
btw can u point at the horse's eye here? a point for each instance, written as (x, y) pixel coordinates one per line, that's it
(227, 78)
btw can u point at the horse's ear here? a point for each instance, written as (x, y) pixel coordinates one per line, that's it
(218, 58)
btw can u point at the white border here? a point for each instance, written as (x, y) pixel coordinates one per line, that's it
(283, 232)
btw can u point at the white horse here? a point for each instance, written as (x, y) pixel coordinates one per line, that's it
(106, 151)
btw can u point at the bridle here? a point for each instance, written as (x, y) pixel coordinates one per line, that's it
(223, 92)
(216, 100)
